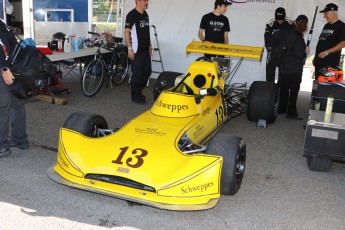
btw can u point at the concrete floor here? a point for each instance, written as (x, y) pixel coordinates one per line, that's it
(278, 191)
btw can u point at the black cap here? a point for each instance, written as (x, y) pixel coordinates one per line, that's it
(223, 2)
(301, 17)
(330, 7)
(280, 14)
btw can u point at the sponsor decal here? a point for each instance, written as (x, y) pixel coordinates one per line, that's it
(198, 188)
(198, 130)
(150, 131)
(206, 111)
(123, 170)
(63, 163)
(256, 4)
(4, 49)
(172, 107)
(325, 33)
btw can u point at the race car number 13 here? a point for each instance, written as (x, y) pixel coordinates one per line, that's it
(131, 162)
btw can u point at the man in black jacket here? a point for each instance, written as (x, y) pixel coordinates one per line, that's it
(12, 110)
(275, 35)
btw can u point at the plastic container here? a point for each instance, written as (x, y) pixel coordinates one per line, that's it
(329, 106)
(76, 45)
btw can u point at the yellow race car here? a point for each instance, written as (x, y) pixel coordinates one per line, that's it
(164, 157)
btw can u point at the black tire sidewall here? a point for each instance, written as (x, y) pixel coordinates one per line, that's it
(230, 148)
(85, 123)
(263, 101)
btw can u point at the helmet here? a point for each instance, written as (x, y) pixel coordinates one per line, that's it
(331, 74)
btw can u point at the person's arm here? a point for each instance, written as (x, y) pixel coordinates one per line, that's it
(226, 37)
(334, 49)
(201, 35)
(129, 43)
(4, 59)
(268, 37)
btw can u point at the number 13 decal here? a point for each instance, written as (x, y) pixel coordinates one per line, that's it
(132, 162)
(220, 115)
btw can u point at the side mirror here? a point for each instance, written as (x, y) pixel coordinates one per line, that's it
(208, 91)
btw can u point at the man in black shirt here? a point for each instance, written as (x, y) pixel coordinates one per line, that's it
(215, 24)
(331, 40)
(137, 37)
(276, 34)
(12, 110)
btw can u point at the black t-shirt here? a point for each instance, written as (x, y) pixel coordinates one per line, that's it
(215, 27)
(330, 36)
(140, 30)
(7, 43)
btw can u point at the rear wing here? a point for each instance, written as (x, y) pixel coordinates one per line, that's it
(225, 50)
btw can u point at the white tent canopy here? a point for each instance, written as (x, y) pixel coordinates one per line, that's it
(177, 23)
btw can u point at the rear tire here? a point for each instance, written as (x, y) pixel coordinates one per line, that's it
(164, 81)
(93, 78)
(263, 101)
(233, 151)
(121, 69)
(86, 123)
(318, 164)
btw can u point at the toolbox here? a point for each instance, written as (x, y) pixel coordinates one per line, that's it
(325, 135)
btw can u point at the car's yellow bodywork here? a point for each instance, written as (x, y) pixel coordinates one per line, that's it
(142, 161)
(144, 154)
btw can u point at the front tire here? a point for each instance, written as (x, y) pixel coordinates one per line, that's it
(93, 78)
(86, 123)
(121, 69)
(233, 151)
(263, 101)
(318, 164)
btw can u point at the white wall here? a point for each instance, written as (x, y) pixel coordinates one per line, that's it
(177, 23)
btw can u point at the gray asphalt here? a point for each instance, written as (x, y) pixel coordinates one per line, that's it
(278, 191)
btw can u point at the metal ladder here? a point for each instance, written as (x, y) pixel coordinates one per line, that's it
(157, 49)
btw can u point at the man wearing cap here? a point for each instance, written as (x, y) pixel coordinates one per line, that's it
(215, 24)
(275, 36)
(331, 40)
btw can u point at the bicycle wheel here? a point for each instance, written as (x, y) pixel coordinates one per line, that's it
(93, 78)
(120, 69)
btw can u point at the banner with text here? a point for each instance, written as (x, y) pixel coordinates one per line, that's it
(256, 4)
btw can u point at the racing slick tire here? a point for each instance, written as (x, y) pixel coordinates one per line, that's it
(85, 123)
(233, 151)
(319, 164)
(164, 81)
(263, 100)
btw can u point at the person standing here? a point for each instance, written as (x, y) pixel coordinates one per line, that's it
(291, 68)
(215, 24)
(137, 37)
(12, 109)
(331, 40)
(275, 37)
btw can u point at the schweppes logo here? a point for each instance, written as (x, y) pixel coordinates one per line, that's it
(199, 188)
(172, 107)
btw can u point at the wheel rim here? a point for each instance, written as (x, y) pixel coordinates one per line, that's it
(121, 69)
(93, 78)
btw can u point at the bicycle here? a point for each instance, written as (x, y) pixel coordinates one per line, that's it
(100, 69)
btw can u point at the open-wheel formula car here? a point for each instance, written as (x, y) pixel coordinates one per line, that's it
(166, 157)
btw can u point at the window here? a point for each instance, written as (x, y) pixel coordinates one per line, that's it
(107, 16)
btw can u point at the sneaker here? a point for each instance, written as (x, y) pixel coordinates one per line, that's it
(139, 101)
(19, 146)
(5, 152)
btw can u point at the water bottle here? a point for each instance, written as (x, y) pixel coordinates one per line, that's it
(76, 45)
(329, 106)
